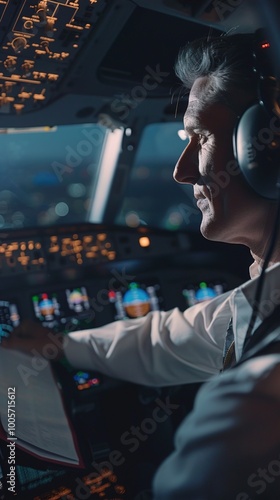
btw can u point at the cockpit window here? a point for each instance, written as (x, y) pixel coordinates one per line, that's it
(48, 174)
(152, 197)
(63, 175)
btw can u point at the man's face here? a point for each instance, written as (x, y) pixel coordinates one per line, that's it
(229, 207)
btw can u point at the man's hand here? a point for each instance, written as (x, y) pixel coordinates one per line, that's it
(35, 339)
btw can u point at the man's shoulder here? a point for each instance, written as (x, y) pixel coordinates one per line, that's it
(257, 377)
(262, 371)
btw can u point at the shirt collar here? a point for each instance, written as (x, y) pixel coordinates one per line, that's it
(242, 299)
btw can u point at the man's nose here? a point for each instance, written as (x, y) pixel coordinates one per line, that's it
(186, 169)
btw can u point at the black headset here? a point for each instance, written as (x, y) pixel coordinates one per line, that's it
(256, 138)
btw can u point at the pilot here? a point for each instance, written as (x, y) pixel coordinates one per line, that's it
(228, 448)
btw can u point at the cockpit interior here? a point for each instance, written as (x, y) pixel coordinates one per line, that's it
(93, 228)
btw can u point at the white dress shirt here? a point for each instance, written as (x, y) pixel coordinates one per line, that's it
(228, 448)
(173, 347)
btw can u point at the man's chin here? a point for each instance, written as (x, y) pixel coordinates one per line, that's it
(209, 232)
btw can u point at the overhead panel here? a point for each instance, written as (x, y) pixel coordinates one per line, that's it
(39, 42)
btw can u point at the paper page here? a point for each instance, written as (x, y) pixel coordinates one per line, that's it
(40, 418)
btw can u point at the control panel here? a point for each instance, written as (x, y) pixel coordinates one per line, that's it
(84, 276)
(76, 277)
(41, 40)
(71, 278)
(48, 250)
(54, 252)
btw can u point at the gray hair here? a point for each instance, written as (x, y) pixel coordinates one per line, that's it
(228, 60)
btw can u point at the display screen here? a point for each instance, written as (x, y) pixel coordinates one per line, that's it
(77, 299)
(85, 380)
(136, 300)
(9, 318)
(204, 290)
(30, 478)
(46, 306)
(64, 309)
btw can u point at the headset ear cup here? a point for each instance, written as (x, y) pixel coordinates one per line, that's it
(256, 145)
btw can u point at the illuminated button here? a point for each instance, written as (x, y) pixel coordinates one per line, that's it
(144, 241)
(18, 107)
(28, 25)
(10, 64)
(19, 43)
(26, 68)
(24, 95)
(52, 77)
(39, 97)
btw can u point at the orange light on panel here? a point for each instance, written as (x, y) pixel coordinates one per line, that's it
(144, 241)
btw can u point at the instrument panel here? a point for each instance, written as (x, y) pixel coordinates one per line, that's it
(49, 250)
(41, 41)
(71, 278)
(55, 251)
(75, 277)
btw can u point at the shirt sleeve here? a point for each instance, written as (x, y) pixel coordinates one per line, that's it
(229, 446)
(162, 348)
